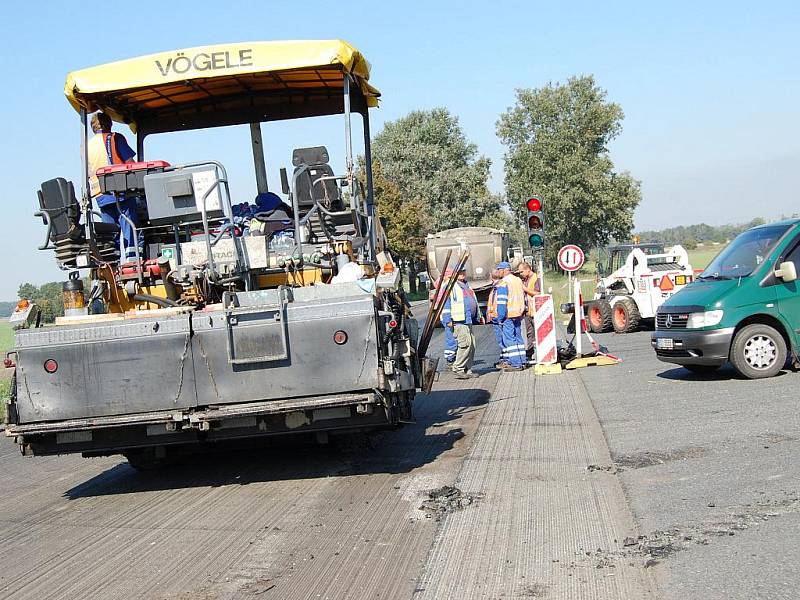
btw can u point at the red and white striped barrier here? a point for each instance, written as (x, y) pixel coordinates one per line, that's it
(544, 324)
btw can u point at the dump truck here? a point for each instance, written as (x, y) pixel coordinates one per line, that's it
(487, 247)
(633, 281)
(289, 321)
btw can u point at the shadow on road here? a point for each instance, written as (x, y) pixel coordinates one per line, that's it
(397, 451)
(725, 373)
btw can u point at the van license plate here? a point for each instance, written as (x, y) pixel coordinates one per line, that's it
(664, 343)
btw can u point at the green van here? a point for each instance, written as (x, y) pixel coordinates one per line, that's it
(744, 308)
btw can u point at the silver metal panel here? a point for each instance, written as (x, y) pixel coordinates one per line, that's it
(101, 331)
(140, 365)
(315, 365)
(253, 247)
(312, 293)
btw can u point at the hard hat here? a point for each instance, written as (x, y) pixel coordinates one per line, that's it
(503, 265)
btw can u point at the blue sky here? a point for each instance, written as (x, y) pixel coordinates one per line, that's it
(710, 91)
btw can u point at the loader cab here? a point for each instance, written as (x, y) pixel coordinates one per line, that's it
(612, 258)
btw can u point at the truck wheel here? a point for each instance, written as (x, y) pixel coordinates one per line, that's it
(758, 351)
(625, 317)
(600, 316)
(702, 369)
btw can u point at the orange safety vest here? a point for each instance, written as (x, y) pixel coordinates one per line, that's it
(530, 286)
(98, 155)
(516, 295)
(491, 305)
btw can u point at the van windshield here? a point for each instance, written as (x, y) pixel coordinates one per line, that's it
(745, 253)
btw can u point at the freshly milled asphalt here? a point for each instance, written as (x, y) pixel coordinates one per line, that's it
(297, 522)
(711, 468)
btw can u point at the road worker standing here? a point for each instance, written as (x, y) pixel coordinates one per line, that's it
(510, 310)
(459, 314)
(450, 344)
(491, 317)
(530, 283)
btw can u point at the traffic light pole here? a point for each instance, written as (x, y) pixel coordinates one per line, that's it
(542, 289)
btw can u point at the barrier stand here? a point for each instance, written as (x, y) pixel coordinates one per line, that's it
(544, 325)
(597, 357)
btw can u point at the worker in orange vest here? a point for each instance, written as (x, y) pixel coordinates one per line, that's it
(510, 310)
(109, 148)
(530, 283)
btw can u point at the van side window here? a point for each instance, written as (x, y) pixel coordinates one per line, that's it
(794, 255)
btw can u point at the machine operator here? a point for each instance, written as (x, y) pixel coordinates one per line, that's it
(109, 148)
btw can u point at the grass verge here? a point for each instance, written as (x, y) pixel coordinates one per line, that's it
(5, 390)
(6, 343)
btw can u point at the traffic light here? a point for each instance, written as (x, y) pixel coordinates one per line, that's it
(536, 222)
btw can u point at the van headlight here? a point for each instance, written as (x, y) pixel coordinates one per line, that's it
(704, 319)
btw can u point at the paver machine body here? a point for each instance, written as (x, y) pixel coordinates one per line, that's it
(635, 279)
(290, 322)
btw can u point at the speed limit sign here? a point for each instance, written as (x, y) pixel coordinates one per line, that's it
(570, 258)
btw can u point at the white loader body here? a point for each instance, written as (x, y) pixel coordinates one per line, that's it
(642, 284)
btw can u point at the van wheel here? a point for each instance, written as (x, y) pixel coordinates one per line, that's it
(758, 351)
(625, 316)
(600, 316)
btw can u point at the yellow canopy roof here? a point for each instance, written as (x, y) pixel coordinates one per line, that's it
(186, 88)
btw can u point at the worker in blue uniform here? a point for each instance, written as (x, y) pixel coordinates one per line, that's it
(460, 313)
(510, 310)
(492, 318)
(450, 344)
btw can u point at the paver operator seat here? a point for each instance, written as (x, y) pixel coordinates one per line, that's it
(60, 211)
(312, 189)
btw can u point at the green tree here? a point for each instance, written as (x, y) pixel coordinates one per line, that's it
(429, 159)
(48, 297)
(557, 141)
(405, 221)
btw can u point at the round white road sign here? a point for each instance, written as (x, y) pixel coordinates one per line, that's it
(571, 258)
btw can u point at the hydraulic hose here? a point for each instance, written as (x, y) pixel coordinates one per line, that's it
(162, 302)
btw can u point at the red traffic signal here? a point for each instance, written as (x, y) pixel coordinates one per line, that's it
(535, 208)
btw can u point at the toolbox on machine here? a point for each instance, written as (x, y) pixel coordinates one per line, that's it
(129, 177)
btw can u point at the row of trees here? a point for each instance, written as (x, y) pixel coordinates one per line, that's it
(6, 308)
(691, 235)
(430, 177)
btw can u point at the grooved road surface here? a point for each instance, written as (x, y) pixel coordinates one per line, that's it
(303, 522)
(545, 524)
(633, 481)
